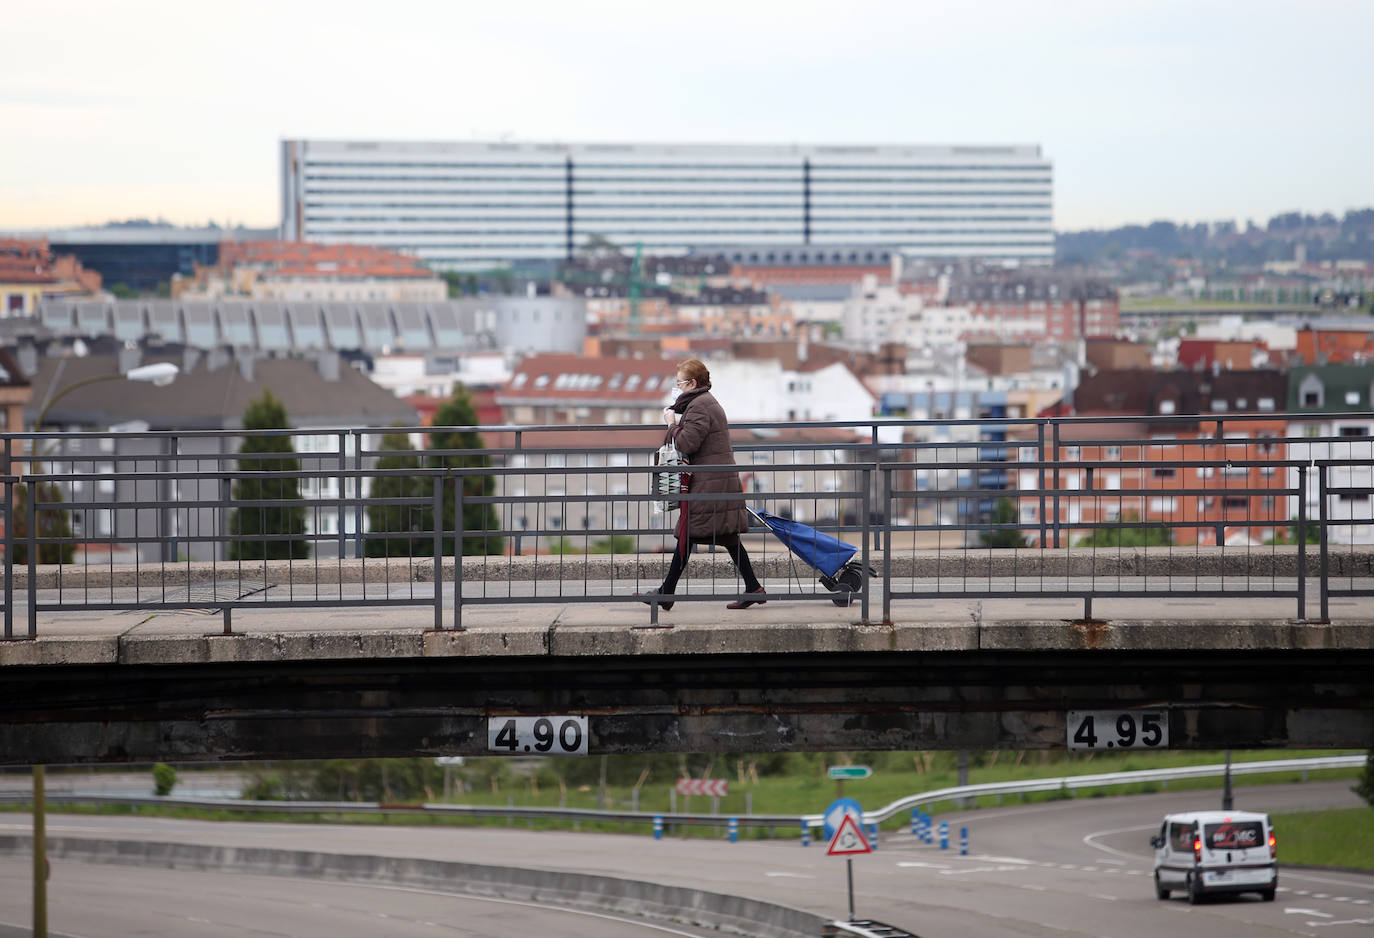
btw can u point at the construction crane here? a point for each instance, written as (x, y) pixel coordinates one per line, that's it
(632, 293)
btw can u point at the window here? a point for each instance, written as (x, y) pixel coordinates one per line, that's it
(1233, 502)
(1181, 837)
(1112, 452)
(1266, 403)
(1352, 397)
(1164, 472)
(1167, 407)
(1219, 405)
(1353, 431)
(1072, 453)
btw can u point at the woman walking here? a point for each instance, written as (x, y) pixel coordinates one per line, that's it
(697, 426)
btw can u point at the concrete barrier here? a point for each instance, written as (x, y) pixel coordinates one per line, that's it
(729, 914)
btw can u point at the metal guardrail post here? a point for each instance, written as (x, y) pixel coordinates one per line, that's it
(1302, 543)
(437, 499)
(877, 461)
(516, 547)
(1321, 534)
(887, 544)
(167, 548)
(866, 526)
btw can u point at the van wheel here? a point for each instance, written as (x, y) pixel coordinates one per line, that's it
(1267, 895)
(1194, 891)
(1160, 891)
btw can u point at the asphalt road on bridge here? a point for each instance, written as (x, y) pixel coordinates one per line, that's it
(1066, 868)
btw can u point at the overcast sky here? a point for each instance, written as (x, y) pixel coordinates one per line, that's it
(1188, 111)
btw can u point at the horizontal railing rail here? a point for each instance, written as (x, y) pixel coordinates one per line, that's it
(1208, 506)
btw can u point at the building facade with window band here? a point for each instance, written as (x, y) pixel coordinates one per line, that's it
(468, 205)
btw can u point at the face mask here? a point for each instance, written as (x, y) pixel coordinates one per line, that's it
(674, 393)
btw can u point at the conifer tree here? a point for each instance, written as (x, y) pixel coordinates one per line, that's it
(391, 519)
(455, 413)
(250, 524)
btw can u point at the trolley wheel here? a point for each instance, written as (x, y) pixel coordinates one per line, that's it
(847, 581)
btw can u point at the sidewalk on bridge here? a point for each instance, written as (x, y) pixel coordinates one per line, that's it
(694, 626)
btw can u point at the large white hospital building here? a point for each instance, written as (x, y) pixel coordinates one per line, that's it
(463, 205)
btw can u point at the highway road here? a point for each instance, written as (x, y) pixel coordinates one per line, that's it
(1066, 868)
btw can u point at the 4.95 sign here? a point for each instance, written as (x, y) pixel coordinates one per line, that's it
(1100, 730)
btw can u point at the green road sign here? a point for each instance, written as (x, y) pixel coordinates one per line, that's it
(848, 771)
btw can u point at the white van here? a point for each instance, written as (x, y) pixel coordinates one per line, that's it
(1210, 852)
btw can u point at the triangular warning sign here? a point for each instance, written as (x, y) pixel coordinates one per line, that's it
(848, 839)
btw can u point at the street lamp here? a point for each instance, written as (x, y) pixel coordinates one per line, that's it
(158, 374)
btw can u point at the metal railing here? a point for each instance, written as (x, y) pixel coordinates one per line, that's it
(1065, 508)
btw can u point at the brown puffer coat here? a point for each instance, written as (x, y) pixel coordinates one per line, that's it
(703, 436)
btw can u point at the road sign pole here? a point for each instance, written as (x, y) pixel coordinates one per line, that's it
(849, 865)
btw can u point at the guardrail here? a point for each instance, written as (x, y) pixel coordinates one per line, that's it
(1078, 508)
(698, 819)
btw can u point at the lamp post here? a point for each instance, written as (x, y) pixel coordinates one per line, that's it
(159, 374)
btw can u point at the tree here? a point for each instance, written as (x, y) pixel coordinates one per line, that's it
(1153, 536)
(51, 522)
(1365, 787)
(453, 414)
(251, 525)
(1004, 512)
(122, 291)
(164, 779)
(382, 518)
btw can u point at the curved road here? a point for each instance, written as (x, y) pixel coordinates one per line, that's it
(1066, 868)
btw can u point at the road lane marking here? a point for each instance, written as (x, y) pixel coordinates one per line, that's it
(1295, 910)
(1088, 839)
(790, 875)
(929, 866)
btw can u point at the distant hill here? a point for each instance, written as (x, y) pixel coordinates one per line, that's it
(1324, 236)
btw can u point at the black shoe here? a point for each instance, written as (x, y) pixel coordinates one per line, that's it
(664, 604)
(746, 603)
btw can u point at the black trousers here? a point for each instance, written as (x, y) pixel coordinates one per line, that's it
(731, 544)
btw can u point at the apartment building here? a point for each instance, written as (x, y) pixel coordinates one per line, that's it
(1235, 416)
(1330, 408)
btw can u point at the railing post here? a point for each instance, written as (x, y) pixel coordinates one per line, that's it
(865, 525)
(1040, 457)
(437, 506)
(1302, 544)
(515, 548)
(877, 462)
(1054, 457)
(886, 480)
(32, 538)
(358, 546)
(1321, 533)
(343, 493)
(458, 527)
(9, 548)
(167, 542)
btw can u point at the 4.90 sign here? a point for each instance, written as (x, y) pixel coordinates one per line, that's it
(1099, 730)
(538, 736)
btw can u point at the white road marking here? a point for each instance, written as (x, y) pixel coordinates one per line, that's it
(1029, 886)
(790, 875)
(929, 866)
(1088, 839)
(1348, 921)
(1294, 910)
(983, 869)
(1098, 895)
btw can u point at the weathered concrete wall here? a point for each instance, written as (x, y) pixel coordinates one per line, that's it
(734, 915)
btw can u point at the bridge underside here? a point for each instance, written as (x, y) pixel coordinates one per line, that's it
(723, 703)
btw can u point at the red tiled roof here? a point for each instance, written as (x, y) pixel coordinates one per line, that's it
(578, 378)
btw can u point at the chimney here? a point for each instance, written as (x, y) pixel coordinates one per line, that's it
(129, 357)
(328, 365)
(27, 356)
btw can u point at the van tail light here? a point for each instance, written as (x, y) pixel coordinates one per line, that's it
(1273, 846)
(1197, 848)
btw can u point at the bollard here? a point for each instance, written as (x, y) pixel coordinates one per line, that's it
(873, 836)
(944, 835)
(806, 835)
(915, 822)
(733, 828)
(658, 827)
(963, 841)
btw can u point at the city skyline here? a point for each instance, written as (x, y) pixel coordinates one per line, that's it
(1186, 112)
